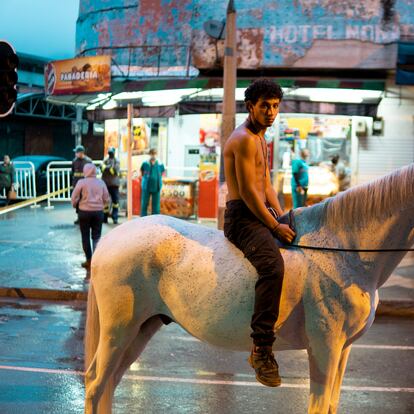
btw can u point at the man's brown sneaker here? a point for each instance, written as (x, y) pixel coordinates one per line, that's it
(263, 362)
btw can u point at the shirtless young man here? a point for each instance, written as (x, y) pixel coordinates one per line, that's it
(250, 221)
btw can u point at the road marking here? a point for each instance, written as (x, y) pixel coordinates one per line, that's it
(185, 338)
(203, 381)
(360, 346)
(390, 347)
(41, 370)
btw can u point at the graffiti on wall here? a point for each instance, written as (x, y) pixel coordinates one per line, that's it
(270, 33)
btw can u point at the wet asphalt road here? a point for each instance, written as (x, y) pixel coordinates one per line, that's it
(41, 360)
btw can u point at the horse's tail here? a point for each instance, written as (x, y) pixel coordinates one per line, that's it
(91, 328)
(92, 333)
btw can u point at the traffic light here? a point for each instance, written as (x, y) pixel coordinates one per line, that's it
(8, 78)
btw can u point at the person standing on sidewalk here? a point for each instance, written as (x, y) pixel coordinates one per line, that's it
(152, 172)
(110, 175)
(90, 195)
(78, 163)
(6, 177)
(300, 179)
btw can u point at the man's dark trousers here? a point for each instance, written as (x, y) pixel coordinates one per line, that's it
(90, 223)
(114, 193)
(257, 243)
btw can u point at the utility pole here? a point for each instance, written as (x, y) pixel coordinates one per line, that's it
(78, 129)
(130, 109)
(229, 100)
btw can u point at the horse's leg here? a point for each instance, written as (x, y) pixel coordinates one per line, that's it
(336, 390)
(112, 344)
(119, 325)
(131, 354)
(324, 355)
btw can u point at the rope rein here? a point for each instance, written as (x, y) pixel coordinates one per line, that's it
(337, 249)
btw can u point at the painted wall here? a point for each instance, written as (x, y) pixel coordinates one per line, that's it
(271, 33)
(379, 155)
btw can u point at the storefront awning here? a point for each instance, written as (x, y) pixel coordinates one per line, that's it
(99, 115)
(208, 83)
(288, 106)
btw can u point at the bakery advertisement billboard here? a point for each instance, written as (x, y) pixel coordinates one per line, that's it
(76, 76)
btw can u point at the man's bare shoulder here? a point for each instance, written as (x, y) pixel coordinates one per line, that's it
(241, 135)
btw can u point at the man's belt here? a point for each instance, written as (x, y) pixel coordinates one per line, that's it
(78, 174)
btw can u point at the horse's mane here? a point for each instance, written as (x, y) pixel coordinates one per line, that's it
(377, 199)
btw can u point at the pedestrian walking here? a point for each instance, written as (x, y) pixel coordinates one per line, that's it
(110, 174)
(152, 171)
(90, 196)
(300, 179)
(7, 175)
(78, 163)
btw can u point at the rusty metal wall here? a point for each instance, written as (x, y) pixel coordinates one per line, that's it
(271, 33)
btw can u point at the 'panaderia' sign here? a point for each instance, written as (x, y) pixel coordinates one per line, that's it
(74, 76)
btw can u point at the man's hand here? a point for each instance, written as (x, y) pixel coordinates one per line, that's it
(284, 233)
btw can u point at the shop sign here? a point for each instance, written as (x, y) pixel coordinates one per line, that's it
(76, 76)
(177, 198)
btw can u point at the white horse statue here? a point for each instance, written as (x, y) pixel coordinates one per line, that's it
(159, 268)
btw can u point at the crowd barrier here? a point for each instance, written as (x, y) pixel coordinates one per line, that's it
(24, 182)
(59, 180)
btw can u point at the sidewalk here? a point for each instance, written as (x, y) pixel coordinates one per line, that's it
(40, 256)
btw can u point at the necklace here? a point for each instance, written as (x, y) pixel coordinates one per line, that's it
(250, 126)
(264, 151)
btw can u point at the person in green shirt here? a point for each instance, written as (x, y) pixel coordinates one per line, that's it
(6, 176)
(152, 171)
(300, 179)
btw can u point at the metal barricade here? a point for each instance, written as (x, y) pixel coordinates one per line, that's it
(59, 177)
(24, 181)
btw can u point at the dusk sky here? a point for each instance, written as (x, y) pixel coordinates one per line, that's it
(45, 28)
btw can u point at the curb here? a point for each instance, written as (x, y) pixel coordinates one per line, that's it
(398, 308)
(395, 308)
(43, 294)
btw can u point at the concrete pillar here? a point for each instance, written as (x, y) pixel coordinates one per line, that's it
(229, 99)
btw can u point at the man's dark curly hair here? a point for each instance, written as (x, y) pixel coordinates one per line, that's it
(262, 88)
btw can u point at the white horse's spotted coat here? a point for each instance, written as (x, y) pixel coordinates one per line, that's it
(161, 265)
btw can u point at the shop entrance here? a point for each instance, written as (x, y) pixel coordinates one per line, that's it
(329, 142)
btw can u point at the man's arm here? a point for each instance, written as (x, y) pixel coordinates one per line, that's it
(117, 166)
(245, 173)
(76, 194)
(271, 195)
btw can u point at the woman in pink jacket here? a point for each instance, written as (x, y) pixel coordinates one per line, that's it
(90, 196)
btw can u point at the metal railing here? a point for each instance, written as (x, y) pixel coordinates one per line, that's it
(24, 181)
(59, 177)
(142, 61)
